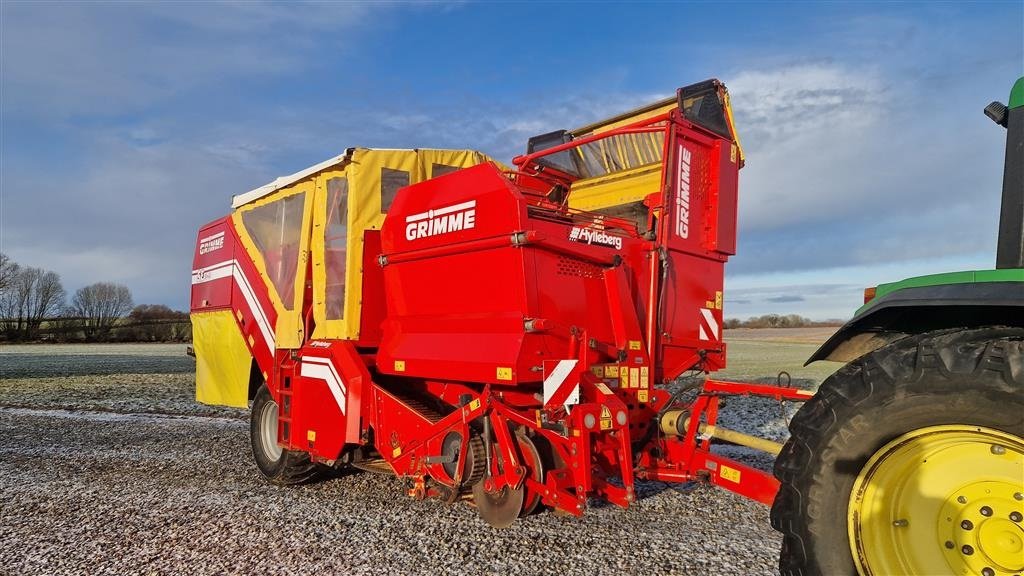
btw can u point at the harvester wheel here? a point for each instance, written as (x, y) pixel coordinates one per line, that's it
(279, 466)
(499, 508)
(910, 460)
(535, 469)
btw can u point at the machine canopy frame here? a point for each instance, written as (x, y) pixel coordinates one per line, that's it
(616, 163)
(342, 199)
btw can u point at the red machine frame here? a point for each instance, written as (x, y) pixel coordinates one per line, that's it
(507, 340)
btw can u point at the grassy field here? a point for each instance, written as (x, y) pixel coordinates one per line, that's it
(753, 354)
(109, 465)
(71, 360)
(759, 354)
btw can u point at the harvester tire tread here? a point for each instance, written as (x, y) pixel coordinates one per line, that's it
(959, 376)
(293, 467)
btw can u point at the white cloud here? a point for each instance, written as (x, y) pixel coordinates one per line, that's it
(849, 166)
(779, 104)
(90, 58)
(852, 163)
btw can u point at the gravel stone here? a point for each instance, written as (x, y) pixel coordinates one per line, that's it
(107, 473)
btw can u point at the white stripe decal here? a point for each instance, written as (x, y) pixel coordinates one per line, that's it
(703, 333)
(327, 362)
(557, 377)
(326, 373)
(441, 211)
(710, 319)
(231, 268)
(213, 272)
(257, 310)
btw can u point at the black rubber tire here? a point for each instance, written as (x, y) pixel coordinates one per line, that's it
(970, 377)
(292, 466)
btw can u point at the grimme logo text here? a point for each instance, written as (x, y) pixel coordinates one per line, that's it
(441, 221)
(683, 195)
(598, 237)
(211, 243)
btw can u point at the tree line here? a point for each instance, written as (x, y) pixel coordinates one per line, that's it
(34, 306)
(779, 321)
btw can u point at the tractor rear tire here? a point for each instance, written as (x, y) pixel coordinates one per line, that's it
(937, 382)
(279, 466)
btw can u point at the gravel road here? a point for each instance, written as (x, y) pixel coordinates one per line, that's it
(126, 474)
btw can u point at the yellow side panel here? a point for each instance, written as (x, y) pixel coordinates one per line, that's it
(616, 189)
(732, 127)
(365, 213)
(222, 360)
(322, 324)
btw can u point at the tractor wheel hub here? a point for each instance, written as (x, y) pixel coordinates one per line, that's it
(979, 520)
(1003, 542)
(915, 510)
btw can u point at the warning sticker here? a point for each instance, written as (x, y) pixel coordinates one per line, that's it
(730, 474)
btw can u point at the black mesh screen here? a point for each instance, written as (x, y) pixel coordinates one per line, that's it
(701, 104)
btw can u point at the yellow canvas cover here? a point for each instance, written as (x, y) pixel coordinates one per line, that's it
(339, 200)
(274, 230)
(222, 359)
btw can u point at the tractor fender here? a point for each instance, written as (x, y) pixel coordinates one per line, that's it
(915, 310)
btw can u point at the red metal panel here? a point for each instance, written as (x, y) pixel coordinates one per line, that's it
(726, 199)
(214, 245)
(701, 195)
(458, 300)
(327, 397)
(373, 309)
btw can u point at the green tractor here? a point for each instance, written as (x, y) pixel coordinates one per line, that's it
(910, 458)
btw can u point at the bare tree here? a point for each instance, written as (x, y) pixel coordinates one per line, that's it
(100, 306)
(32, 295)
(8, 270)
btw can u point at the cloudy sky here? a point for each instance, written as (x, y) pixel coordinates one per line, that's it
(126, 126)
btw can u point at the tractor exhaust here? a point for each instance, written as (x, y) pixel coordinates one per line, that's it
(1010, 242)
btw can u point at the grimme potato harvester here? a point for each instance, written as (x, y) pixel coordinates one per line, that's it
(524, 338)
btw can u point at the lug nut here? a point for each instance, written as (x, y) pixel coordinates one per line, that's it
(967, 550)
(986, 511)
(998, 449)
(961, 499)
(949, 544)
(901, 523)
(1018, 496)
(967, 525)
(1015, 516)
(986, 571)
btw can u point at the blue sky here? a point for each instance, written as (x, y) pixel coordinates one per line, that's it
(126, 126)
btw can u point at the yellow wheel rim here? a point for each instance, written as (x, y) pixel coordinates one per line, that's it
(941, 500)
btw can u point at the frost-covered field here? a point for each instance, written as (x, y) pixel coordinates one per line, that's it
(109, 466)
(43, 360)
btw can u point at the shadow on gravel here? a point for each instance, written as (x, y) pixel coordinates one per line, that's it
(46, 366)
